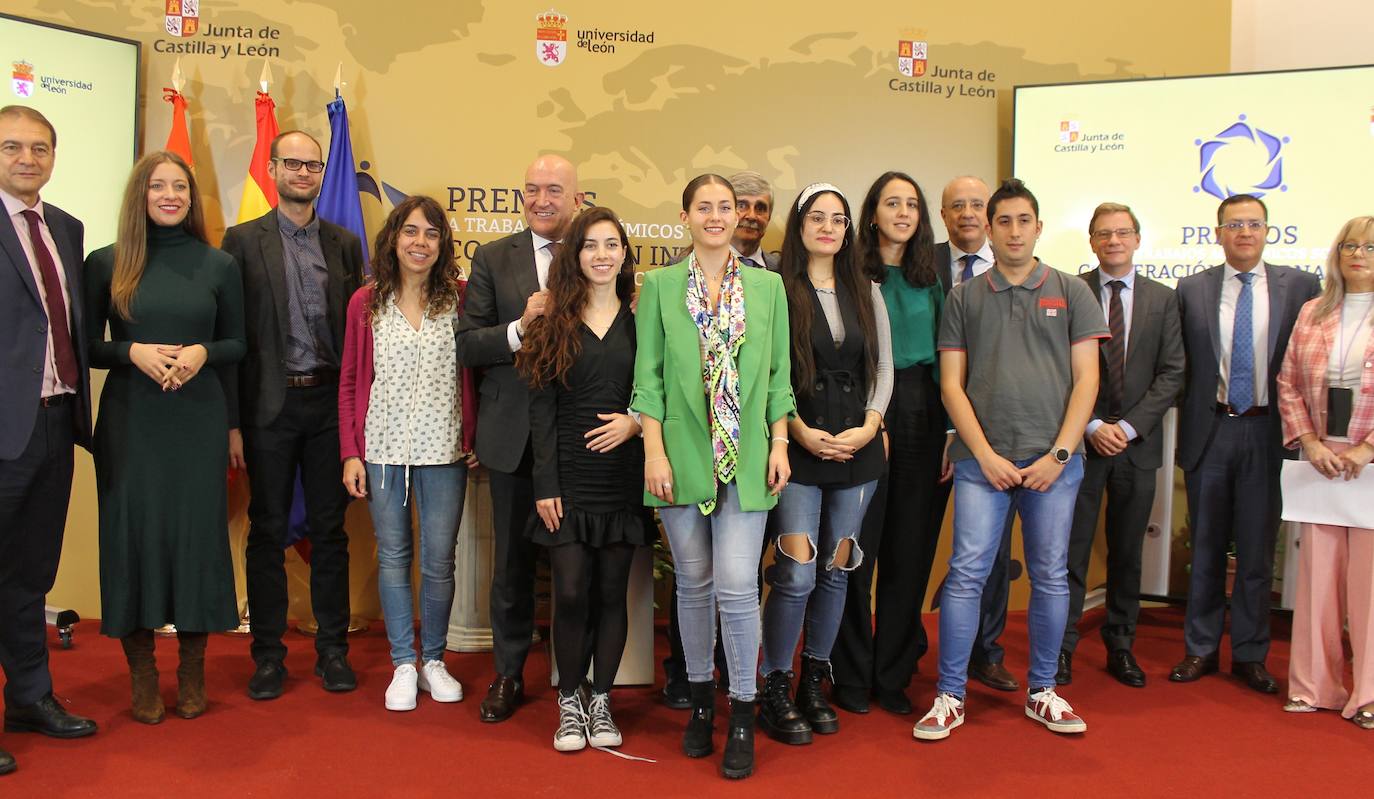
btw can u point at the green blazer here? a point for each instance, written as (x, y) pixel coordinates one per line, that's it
(668, 383)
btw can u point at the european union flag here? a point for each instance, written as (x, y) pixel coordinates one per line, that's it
(339, 202)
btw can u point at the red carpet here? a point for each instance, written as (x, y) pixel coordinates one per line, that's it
(1210, 738)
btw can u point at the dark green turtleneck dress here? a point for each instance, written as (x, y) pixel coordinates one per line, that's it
(161, 457)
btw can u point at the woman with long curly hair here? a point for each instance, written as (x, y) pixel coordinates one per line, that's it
(579, 362)
(174, 305)
(406, 422)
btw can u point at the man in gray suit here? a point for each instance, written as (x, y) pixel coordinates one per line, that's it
(505, 294)
(754, 203)
(45, 409)
(1142, 373)
(1237, 318)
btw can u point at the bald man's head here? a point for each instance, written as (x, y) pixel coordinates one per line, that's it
(963, 207)
(551, 196)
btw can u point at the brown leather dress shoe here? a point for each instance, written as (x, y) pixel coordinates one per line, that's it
(504, 695)
(1256, 677)
(1193, 667)
(993, 675)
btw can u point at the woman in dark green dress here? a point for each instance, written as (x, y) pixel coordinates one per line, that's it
(174, 305)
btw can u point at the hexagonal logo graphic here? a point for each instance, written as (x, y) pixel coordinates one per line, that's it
(1241, 159)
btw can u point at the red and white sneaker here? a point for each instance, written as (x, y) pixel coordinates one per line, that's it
(1050, 709)
(946, 714)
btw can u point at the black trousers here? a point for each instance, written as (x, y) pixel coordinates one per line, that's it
(1233, 496)
(901, 532)
(1130, 495)
(35, 489)
(304, 435)
(512, 576)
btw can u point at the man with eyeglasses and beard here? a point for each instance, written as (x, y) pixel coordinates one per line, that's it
(1237, 317)
(298, 274)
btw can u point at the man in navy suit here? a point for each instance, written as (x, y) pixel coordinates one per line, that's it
(45, 409)
(1237, 318)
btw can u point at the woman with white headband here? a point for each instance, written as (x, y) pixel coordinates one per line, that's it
(712, 383)
(842, 377)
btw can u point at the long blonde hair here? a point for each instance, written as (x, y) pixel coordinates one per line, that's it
(1334, 293)
(131, 236)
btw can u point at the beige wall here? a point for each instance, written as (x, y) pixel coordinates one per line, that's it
(1281, 34)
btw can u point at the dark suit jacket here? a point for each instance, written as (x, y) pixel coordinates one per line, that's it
(1199, 300)
(24, 331)
(502, 279)
(942, 266)
(1154, 368)
(257, 390)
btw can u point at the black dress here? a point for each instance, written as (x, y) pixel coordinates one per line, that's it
(602, 491)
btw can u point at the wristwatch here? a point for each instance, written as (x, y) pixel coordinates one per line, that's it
(1060, 454)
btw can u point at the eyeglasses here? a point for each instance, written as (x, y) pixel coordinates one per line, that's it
(817, 218)
(294, 165)
(1245, 224)
(1120, 233)
(1350, 248)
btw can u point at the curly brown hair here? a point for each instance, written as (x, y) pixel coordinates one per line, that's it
(441, 289)
(552, 343)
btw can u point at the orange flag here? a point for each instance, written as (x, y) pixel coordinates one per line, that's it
(179, 140)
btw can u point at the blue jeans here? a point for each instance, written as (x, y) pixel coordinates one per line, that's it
(809, 590)
(716, 558)
(980, 511)
(439, 491)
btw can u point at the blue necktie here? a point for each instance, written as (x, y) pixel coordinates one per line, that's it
(969, 261)
(1240, 389)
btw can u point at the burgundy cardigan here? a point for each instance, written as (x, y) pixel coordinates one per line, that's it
(356, 375)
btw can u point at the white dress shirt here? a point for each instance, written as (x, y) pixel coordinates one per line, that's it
(1127, 309)
(1230, 295)
(14, 209)
(956, 262)
(543, 257)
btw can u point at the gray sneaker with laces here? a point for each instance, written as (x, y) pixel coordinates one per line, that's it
(599, 722)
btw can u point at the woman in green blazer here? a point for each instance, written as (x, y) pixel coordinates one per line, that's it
(713, 386)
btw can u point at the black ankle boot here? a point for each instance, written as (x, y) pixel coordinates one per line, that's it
(811, 697)
(779, 717)
(738, 762)
(696, 741)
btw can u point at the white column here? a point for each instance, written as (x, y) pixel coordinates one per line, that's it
(469, 626)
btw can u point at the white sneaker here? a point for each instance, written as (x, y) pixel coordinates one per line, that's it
(936, 725)
(599, 721)
(400, 695)
(572, 725)
(1050, 709)
(440, 685)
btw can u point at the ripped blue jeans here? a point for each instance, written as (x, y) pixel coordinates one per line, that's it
(811, 591)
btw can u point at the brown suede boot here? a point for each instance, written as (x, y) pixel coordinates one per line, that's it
(147, 701)
(191, 699)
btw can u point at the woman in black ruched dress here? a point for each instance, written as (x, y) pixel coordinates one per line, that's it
(588, 464)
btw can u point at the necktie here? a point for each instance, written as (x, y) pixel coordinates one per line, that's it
(62, 350)
(969, 261)
(1240, 389)
(553, 248)
(1116, 351)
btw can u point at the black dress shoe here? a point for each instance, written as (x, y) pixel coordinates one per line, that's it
(677, 693)
(893, 701)
(849, 698)
(267, 680)
(7, 763)
(1256, 677)
(1063, 675)
(1194, 667)
(337, 675)
(1121, 665)
(993, 675)
(503, 696)
(49, 718)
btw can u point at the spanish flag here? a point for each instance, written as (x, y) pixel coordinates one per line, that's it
(259, 192)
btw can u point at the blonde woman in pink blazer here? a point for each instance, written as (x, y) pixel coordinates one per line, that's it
(1327, 378)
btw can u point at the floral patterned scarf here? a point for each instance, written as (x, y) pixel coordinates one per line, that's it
(722, 334)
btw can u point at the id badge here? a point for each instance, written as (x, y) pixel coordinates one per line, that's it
(1339, 405)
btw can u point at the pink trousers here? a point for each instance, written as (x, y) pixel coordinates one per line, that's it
(1335, 582)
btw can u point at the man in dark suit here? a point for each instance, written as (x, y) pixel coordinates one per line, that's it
(45, 409)
(754, 203)
(1237, 318)
(965, 255)
(1142, 374)
(299, 272)
(505, 294)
